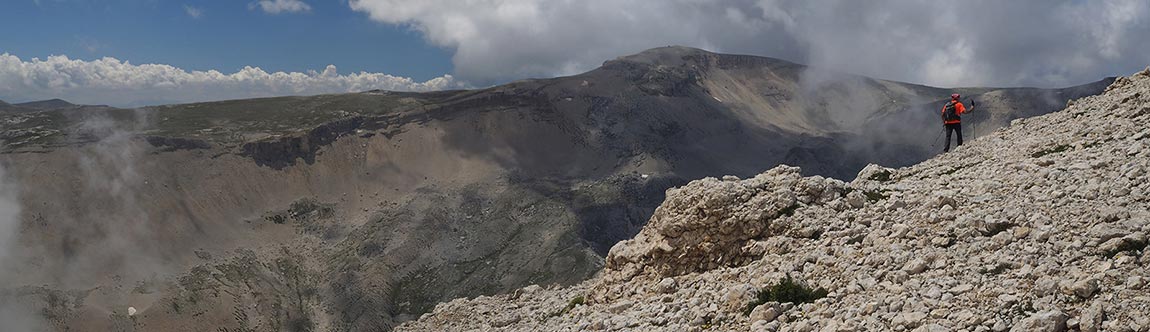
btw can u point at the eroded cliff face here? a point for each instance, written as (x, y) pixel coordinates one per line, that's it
(1040, 226)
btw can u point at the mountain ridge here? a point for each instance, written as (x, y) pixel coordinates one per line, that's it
(365, 210)
(48, 104)
(1038, 226)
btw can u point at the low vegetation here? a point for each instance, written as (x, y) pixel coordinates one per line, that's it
(1058, 149)
(875, 196)
(882, 176)
(788, 211)
(786, 291)
(575, 302)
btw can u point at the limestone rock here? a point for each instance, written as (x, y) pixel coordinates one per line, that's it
(1091, 318)
(1046, 321)
(667, 286)
(766, 312)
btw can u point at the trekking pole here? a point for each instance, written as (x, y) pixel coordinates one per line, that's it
(937, 138)
(973, 126)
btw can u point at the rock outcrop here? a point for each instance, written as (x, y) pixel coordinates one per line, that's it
(1040, 226)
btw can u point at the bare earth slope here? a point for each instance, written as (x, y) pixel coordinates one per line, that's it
(360, 211)
(1040, 226)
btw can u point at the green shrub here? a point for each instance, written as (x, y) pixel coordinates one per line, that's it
(577, 301)
(875, 196)
(789, 211)
(882, 176)
(1057, 149)
(787, 290)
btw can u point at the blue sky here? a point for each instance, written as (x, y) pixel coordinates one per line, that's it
(227, 36)
(224, 49)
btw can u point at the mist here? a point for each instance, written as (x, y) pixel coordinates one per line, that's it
(15, 315)
(9, 217)
(98, 237)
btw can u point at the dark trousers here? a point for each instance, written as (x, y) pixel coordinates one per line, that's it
(955, 127)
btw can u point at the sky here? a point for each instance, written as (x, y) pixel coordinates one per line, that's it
(145, 52)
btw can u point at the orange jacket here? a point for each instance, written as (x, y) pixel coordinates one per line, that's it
(958, 108)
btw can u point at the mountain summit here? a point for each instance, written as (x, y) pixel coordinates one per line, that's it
(1040, 226)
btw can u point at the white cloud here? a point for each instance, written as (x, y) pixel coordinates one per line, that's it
(281, 6)
(193, 12)
(120, 83)
(1024, 42)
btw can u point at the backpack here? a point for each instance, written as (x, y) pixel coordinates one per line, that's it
(950, 112)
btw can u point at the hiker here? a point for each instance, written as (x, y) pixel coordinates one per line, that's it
(952, 120)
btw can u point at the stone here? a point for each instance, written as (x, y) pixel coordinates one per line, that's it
(738, 296)
(760, 326)
(1000, 325)
(1084, 288)
(963, 288)
(856, 199)
(766, 312)
(932, 328)
(941, 241)
(620, 307)
(667, 286)
(505, 320)
(1091, 319)
(915, 266)
(1119, 244)
(1135, 282)
(1046, 321)
(933, 293)
(909, 319)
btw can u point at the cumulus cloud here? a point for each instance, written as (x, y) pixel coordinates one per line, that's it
(981, 42)
(193, 12)
(281, 6)
(120, 83)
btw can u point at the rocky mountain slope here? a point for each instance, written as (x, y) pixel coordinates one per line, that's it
(360, 211)
(1040, 226)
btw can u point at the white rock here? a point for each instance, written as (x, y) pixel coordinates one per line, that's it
(1084, 288)
(667, 286)
(915, 266)
(1135, 282)
(766, 312)
(932, 328)
(620, 307)
(1046, 321)
(963, 288)
(505, 320)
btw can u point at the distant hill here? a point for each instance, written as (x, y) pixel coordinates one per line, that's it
(47, 104)
(359, 211)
